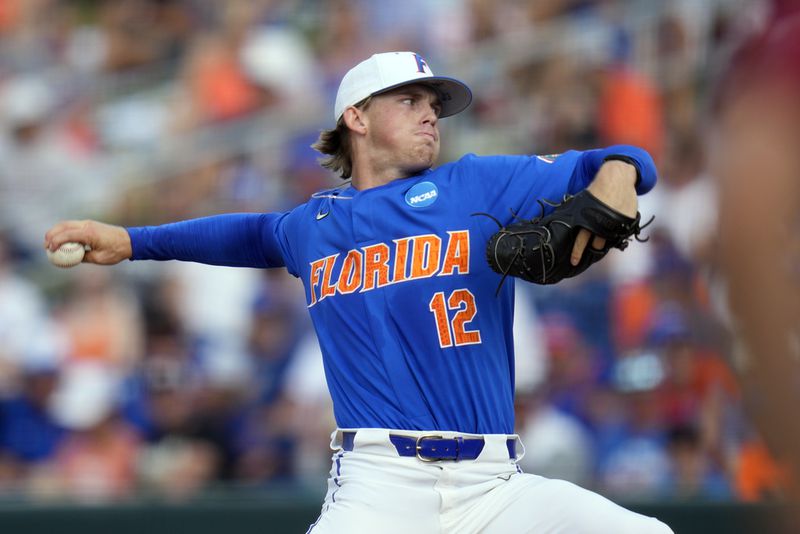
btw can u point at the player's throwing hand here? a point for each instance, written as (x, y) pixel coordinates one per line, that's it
(106, 244)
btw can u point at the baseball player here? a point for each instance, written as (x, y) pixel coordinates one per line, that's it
(414, 325)
(756, 128)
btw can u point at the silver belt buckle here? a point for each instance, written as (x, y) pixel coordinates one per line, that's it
(419, 446)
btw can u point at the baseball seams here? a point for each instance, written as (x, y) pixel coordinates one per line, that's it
(67, 255)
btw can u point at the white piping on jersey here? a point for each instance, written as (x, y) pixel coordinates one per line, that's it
(332, 193)
(325, 208)
(335, 197)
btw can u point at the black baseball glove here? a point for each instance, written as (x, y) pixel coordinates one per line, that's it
(539, 250)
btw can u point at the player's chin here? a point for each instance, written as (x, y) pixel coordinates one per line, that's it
(425, 155)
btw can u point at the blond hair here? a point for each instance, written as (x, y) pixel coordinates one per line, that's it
(335, 144)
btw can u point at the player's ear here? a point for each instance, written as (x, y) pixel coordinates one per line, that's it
(355, 120)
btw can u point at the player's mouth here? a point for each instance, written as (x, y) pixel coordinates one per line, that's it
(430, 135)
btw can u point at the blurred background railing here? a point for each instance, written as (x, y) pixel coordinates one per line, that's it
(264, 513)
(183, 381)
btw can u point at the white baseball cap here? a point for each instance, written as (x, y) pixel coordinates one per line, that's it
(390, 70)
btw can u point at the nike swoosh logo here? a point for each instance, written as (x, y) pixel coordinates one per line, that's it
(321, 215)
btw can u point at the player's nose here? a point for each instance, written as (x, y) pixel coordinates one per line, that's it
(430, 114)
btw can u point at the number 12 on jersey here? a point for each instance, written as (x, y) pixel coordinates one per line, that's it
(454, 331)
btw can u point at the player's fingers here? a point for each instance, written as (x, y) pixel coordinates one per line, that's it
(65, 232)
(580, 244)
(598, 242)
(65, 236)
(57, 229)
(92, 256)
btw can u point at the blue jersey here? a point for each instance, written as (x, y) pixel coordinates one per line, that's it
(397, 283)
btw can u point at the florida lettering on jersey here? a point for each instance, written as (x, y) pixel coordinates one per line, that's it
(375, 266)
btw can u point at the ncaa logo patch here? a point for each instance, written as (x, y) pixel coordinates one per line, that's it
(422, 194)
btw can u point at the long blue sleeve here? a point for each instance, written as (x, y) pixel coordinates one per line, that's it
(234, 240)
(592, 160)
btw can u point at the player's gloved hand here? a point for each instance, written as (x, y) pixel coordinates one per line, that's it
(108, 244)
(540, 250)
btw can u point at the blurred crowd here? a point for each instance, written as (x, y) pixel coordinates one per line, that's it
(173, 379)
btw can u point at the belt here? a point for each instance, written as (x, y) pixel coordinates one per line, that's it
(432, 448)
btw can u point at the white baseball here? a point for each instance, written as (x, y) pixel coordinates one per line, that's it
(67, 255)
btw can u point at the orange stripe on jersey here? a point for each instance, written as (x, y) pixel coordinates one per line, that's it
(425, 259)
(437, 306)
(350, 276)
(464, 301)
(316, 267)
(328, 290)
(400, 259)
(457, 255)
(376, 264)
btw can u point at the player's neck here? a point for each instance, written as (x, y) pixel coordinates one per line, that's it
(370, 173)
(367, 176)
(368, 181)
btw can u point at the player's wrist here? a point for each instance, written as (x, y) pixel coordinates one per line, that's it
(124, 244)
(624, 168)
(621, 158)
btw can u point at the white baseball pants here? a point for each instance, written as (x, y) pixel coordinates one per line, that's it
(372, 489)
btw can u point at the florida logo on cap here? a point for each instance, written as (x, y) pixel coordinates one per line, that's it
(422, 65)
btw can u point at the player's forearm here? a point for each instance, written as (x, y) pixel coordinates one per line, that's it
(593, 160)
(234, 240)
(615, 184)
